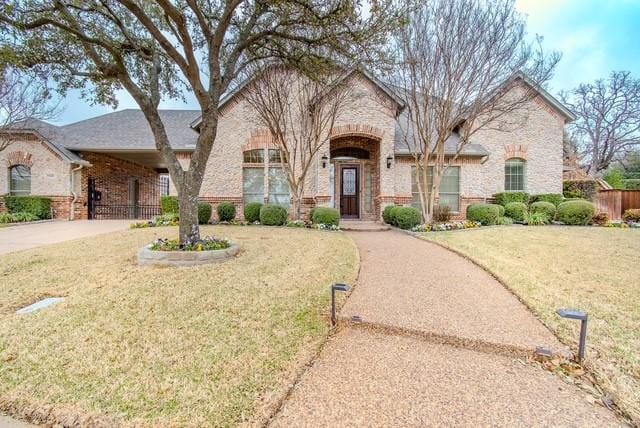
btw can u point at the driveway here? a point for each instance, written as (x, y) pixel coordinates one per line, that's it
(16, 238)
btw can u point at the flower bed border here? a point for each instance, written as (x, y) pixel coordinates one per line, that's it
(149, 257)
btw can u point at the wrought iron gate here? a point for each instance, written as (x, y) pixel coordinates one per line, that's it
(125, 197)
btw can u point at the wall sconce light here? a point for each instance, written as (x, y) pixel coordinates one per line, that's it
(389, 161)
(324, 160)
(583, 317)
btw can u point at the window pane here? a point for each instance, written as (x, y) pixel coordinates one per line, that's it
(514, 175)
(253, 185)
(275, 156)
(254, 156)
(449, 192)
(20, 183)
(278, 187)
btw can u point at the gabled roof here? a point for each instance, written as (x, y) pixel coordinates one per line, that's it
(377, 82)
(49, 134)
(129, 130)
(550, 99)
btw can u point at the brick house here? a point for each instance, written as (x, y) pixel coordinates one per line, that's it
(108, 166)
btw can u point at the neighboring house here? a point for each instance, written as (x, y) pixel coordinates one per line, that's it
(108, 166)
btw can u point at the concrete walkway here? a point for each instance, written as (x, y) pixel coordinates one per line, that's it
(16, 238)
(435, 348)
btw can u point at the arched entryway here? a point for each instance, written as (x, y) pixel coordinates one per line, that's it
(355, 172)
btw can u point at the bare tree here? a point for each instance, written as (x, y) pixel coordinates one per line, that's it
(463, 65)
(156, 49)
(608, 119)
(23, 96)
(299, 112)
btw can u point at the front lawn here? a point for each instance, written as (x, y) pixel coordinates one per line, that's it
(203, 346)
(588, 268)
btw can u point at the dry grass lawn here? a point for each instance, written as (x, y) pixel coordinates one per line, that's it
(593, 269)
(201, 346)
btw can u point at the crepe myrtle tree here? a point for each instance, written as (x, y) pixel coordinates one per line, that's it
(298, 111)
(462, 65)
(157, 49)
(608, 119)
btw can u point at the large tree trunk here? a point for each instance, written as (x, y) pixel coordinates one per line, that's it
(189, 229)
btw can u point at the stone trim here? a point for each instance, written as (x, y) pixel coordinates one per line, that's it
(19, 158)
(356, 130)
(460, 161)
(515, 151)
(403, 200)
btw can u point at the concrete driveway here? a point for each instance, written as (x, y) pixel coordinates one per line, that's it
(16, 238)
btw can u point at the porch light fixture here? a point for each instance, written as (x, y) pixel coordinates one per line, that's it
(389, 161)
(334, 288)
(324, 160)
(582, 316)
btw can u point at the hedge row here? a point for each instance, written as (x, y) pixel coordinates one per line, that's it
(36, 206)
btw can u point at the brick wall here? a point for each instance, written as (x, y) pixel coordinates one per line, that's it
(112, 179)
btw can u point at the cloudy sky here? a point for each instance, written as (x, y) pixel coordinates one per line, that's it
(594, 37)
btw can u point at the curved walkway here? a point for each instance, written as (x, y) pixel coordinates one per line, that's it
(433, 346)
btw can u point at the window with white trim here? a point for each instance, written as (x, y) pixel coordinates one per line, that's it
(515, 175)
(449, 192)
(20, 180)
(257, 172)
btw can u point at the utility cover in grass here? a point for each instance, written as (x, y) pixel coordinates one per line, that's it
(41, 304)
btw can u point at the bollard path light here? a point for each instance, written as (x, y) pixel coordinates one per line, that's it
(334, 288)
(582, 316)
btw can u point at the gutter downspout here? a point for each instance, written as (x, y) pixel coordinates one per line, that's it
(72, 212)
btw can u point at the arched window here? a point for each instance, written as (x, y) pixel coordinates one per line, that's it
(515, 175)
(20, 180)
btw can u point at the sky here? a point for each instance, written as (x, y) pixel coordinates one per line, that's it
(595, 37)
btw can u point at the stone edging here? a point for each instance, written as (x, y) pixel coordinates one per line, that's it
(149, 257)
(26, 223)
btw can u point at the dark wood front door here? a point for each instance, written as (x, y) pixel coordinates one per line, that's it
(349, 192)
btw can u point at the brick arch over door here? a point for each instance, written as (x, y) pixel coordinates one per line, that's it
(356, 130)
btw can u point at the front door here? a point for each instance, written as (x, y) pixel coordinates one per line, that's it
(349, 192)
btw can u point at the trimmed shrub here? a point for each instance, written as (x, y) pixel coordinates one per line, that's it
(632, 215)
(386, 214)
(252, 212)
(547, 208)
(392, 215)
(407, 217)
(585, 189)
(505, 221)
(442, 214)
(517, 211)
(273, 215)
(486, 214)
(505, 198)
(575, 212)
(554, 198)
(226, 211)
(35, 205)
(325, 215)
(204, 212)
(631, 183)
(600, 219)
(538, 219)
(169, 204)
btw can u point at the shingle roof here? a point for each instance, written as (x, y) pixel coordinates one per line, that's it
(52, 135)
(404, 141)
(129, 130)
